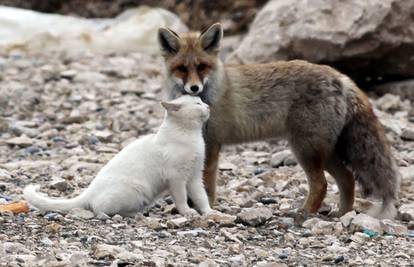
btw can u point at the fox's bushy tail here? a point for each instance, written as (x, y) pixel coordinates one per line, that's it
(366, 150)
(45, 203)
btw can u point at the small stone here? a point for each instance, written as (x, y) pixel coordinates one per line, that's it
(267, 200)
(81, 213)
(221, 218)
(283, 256)
(53, 216)
(320, 227)
(193, 232)
(230, 236)
(33, 150)
(339, 259)
(407, 134)
(271, 264)
(153, 224)
(254, 216)
(347, 218)
(102, 251)
(177, 222)
(407, 212)
(47, 242)
(227, 166)
(208, 263)
(79, 258)
(74, 117)
(365, 222)
(53, 228)
(4, 175)
(103, 136)
(21, 141)
(359, 238)
(68, 74)
(393, 228)
(59, 184)
(290, 161)
(117, 218)
(238, 260)
(278, 158)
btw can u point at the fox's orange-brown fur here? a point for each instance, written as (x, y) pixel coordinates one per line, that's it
(327, 120)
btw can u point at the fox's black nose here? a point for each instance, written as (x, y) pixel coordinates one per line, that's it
(194, 88)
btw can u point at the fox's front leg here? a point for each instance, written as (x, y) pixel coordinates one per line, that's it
(211, 170)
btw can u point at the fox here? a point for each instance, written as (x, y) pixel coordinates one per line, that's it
(327, 120)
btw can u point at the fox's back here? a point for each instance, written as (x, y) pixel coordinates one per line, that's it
(259, 99)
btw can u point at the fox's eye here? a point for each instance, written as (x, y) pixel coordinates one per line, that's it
(182, 68)
(201, 67)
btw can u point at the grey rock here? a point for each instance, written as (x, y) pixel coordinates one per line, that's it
(177, 222)
(21, 141)
(365, 222)
(407, 211)
(222, 219)
(320, 227)
(208, 263)
(347, 218)
(279, 158)
(59, 184)
(393, 228)
(404, 89)
(335, 32)
(408, 134)
(254, 216)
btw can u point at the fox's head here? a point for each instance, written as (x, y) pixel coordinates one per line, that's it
(191, 59)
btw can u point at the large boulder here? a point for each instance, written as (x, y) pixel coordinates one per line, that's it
(365, 39)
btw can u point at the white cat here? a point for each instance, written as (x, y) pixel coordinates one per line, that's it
(170, 160)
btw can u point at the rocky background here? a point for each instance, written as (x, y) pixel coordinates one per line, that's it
(63, 116)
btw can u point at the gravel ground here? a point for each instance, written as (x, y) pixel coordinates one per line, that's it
(63, 116)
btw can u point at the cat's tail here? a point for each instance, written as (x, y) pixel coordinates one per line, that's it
(44, 203)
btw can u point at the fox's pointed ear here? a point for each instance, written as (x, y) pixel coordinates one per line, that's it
(211, 38)
(168, 40)
(170, 106)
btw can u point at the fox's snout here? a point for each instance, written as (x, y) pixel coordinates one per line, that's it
(194, 87)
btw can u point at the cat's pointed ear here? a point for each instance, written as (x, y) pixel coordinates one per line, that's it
(169, 41)
(211, 38)
(171, 106)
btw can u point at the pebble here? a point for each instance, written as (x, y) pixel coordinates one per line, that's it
(408, 134)
(254, 216)
(362, 221)
(177, 222)
(347, 218)
(278, 158)
(407, 212)
(220, 218)
(393, 228)
(60, 184)
(21, 141)
(320, 227)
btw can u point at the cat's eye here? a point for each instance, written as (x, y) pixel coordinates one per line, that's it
(182, 68)
(201, 67)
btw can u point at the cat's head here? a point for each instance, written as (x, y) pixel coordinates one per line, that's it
(187, 107)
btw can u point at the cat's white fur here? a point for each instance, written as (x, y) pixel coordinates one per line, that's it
(170, 160)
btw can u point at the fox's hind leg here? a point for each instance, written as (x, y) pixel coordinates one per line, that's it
(211, 170)
(345, 181)
(313, 167)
